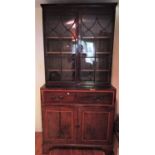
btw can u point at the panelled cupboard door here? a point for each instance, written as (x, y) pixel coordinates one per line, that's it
(58, 124)
(96, 125)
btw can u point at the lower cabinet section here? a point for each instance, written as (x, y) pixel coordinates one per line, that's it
(77, 124)
(95, 125)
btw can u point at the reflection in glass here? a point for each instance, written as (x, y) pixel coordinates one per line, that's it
(87, 63)
(54, 46)
(60, 25)
(68, 62)
(88, 48)
(73, 47)
(70, 24)
(67, 46)
(88, 51)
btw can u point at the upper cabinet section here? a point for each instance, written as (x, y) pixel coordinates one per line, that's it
(78, 44)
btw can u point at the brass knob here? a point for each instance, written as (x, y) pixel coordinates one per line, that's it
(68, 93)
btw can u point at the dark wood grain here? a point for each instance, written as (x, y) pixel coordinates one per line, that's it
(78, 123)
(58, 124)
(78, 102)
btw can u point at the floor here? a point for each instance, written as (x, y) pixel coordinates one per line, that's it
(38, 143)
(38, 149)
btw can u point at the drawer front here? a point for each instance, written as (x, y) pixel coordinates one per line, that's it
(58, 97)
(96, 98)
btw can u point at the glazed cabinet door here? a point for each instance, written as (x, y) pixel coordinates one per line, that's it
(96, 125)
(78, 44)
(58, 124)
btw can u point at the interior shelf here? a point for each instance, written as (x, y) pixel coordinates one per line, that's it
(82, 38)
(59, 70)
(103, 52)
(97, 70)
(60, 38)
(97, 37)
(54, 52)
(59, 52)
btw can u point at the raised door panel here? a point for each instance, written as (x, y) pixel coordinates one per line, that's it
(58, 124)
(96, 125)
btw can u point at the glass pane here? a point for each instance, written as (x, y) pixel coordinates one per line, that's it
(68, 62)
(96, 25)
(68, 76)
(70, 24)
(103, 45)
(51, 23)
(101, 76)
(88, 48)
(87, 63)
(54, 76)
(68, 46)
(60, 25)
(102, 62)
(54, 62)
(87, 76)
(54, 45)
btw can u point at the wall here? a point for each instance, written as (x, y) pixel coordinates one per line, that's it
(115, 71)
(40, 63)
(40, 79)
(115, 65)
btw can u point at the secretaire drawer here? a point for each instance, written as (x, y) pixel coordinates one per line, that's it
(58, 97)
(96, 98)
